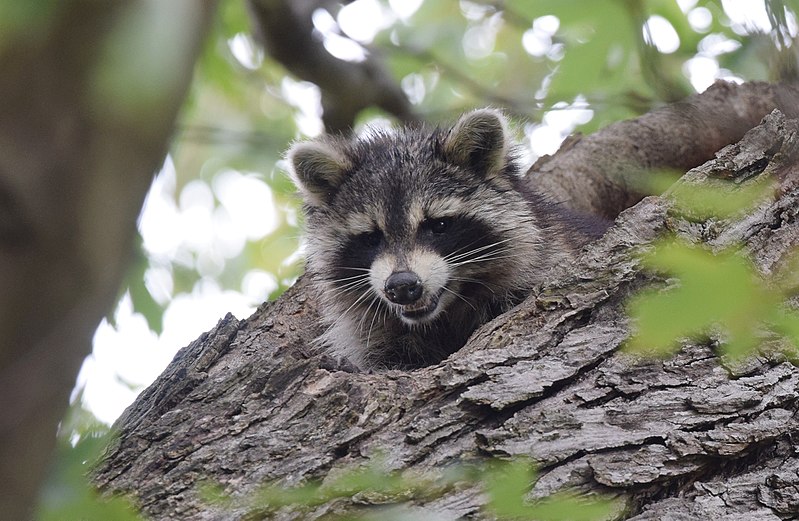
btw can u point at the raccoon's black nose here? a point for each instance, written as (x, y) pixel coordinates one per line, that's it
(404, 287)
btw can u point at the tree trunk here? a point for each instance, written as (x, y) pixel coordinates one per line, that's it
(690, 436)
(83, 129)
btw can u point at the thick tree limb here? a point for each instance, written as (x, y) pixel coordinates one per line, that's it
(249, 403)
(601, 174)
(286, 30)
(76, 159)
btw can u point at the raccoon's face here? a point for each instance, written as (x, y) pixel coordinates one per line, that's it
(419, 257)
(413, 224)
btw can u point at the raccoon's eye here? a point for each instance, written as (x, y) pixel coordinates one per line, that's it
(439, 225)
(370, 239)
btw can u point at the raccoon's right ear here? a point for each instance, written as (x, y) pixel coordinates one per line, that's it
(479, 141)
(317, 169)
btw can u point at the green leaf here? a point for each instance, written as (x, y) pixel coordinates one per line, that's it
(711, 199)
(570, 507)
(712, 290)
(507, 484)
(141, 299)
(67, 493)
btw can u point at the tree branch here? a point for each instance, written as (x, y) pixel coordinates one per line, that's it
(250, 402)
(602, 173)
(285, 29)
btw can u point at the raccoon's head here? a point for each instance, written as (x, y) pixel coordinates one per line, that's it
(414, 224)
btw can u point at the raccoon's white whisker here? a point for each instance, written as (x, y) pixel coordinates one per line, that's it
(480, 256)
(372, 323)
(455, 256)
(473, 281)
(350, 286)
(344, 314)
(380, 314)
(460, 297)
(372, 302)
(351, 268)
(349, 280)
(350, 292)
(460, 251)
(366, 294)
(353, 282)
(501, 241)
(480, 253)
(489, 256)
(491, 248)
(342, 279)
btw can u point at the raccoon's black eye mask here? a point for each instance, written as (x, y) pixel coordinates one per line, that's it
(434, 226)
(370, 239)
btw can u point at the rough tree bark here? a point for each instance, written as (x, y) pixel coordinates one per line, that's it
(83, 128)
(250, 402)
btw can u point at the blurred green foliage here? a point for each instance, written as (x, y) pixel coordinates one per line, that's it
(713, 294)
(67, 495)
(506, 484)
(710, 293)
(26, 21)
(714, 199)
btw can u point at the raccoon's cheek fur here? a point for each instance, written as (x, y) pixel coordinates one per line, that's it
(414, 289)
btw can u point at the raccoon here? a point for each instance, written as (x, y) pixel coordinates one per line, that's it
(416, 236)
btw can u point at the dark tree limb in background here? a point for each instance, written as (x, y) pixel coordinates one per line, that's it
(286, 31)
(249, 402)
(78, 150)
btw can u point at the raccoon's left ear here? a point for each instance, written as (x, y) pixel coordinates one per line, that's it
(317, 168)
(479, 140)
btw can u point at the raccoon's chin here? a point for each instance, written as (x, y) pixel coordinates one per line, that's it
(422, 311)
